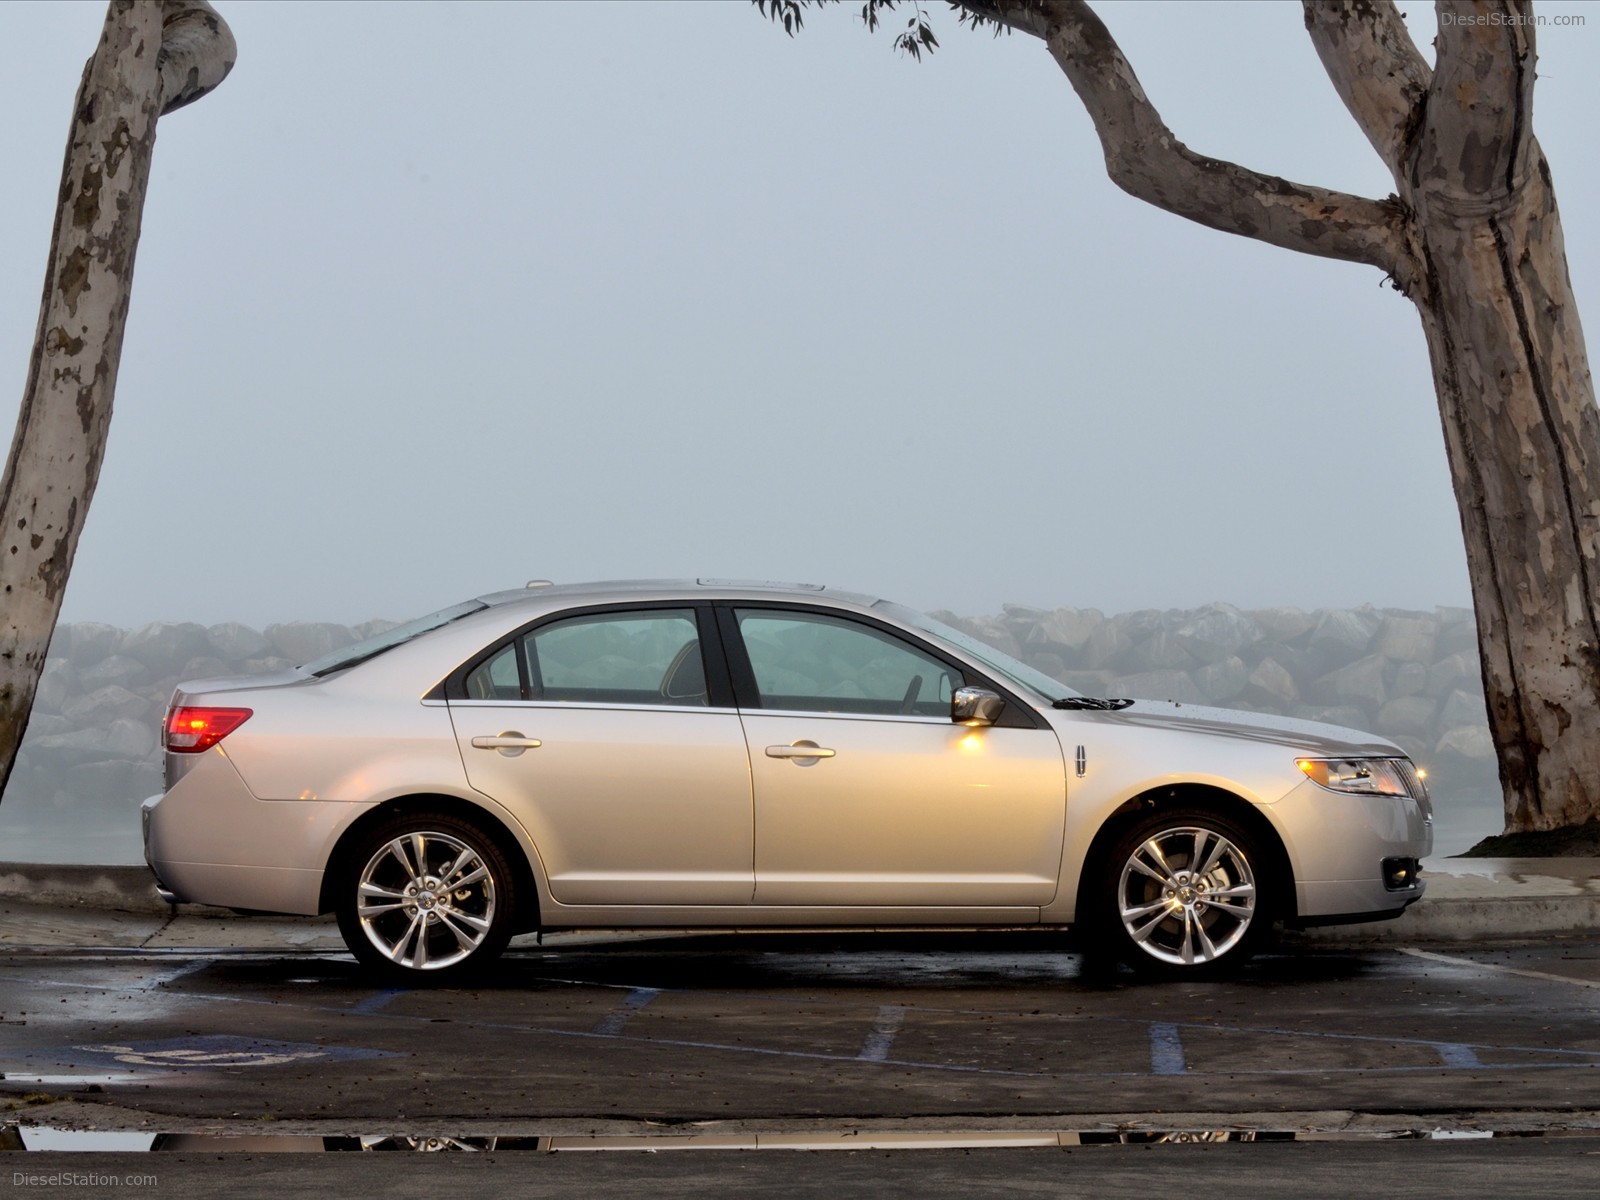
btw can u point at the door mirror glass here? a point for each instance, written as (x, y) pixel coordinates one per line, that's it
(976, 706)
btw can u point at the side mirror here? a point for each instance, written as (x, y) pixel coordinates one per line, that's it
(975, 706)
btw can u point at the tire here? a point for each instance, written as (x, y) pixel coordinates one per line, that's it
(1157, 912)
(396, 914)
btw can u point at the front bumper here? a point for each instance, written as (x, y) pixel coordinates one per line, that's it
(1338, 843)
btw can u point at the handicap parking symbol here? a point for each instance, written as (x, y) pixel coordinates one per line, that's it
(221, 1050)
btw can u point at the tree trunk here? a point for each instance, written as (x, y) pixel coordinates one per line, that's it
(152, 58)
(1522, 434)
(1473, 238)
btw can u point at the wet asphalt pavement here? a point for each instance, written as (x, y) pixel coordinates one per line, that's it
(701, 1030)
(677, 1038)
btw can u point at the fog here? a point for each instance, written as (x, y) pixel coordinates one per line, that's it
(433, 299)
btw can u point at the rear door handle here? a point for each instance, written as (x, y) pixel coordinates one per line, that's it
(509, 743)
(800, 750)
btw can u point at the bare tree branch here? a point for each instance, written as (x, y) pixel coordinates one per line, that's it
(197, 52)
(1147, 161)
(1477, 139)
(1376, 69)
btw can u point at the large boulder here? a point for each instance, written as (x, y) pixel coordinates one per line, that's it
(119, 669)
(164, 644)
(233, 642)
(121, 738)
(1410, 716)
(302, 641)
(1359, 684)
(86, 641)
(1106, 645)
(1282, 624)
(1222, 681)
(1270, 686)
(1466, 741)
(1458, 670)
(1458, 632)
(58, 683)
(1216, 633)
(1340, 637)
(1407, 639)
(207, 666)
(1463, 707)
(1160, 651)
(1409, 679)
(1065, 628)
(104, 705)
(1141, 624)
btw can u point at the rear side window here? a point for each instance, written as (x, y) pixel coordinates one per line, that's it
(650, 657)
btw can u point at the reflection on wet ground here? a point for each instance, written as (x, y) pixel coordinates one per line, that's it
(36, 1137)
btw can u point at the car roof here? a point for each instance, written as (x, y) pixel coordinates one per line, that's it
(627, 589)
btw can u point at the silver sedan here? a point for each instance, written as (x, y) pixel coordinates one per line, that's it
(722, 755)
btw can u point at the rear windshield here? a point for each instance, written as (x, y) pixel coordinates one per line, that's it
(349, 656)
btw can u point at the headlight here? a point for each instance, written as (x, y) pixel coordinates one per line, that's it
(1368, 776)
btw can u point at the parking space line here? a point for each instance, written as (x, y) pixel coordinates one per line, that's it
(1166, 1050)
(1454, 961)
(876, 1047)
(1455, 1054)
(611, 1025)
(378, 1001)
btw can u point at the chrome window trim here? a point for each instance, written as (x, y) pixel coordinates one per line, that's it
(823, 714)
(571, 706)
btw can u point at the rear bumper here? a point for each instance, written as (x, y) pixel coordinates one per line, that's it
(209, 841)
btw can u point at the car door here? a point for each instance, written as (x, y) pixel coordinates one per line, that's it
(621, 752)
(899, 806)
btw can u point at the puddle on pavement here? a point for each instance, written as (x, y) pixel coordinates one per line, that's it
(42, 1137)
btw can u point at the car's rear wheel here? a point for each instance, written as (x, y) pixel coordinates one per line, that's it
(426, 897)
(1185, 892)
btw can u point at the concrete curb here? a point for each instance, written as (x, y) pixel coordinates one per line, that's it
(1468, 900)
(115, 889)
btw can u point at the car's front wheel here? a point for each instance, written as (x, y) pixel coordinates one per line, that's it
(1184, 892)
(426, 897)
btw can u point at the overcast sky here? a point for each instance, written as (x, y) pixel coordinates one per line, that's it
(433, 299)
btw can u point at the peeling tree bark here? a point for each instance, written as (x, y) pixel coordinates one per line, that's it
(153, 57)
(1472, 236)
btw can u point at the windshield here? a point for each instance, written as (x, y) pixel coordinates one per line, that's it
(349, 656)
(999, 662)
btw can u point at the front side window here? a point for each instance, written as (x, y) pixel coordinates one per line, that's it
(601, 658)
(816, 663)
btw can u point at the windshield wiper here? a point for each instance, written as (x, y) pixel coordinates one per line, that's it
(1094, 702)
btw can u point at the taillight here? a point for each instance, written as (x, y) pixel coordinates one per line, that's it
(191, 730)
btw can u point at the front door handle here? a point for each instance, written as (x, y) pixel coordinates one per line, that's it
(509, 743)
(803, 753)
